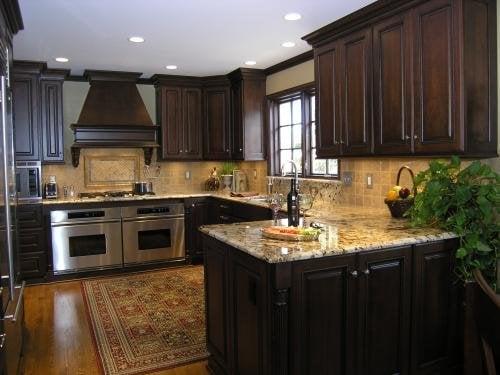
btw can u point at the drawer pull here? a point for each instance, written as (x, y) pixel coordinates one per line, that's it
(354, 274)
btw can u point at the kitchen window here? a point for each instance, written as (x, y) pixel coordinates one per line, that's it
(293, 134)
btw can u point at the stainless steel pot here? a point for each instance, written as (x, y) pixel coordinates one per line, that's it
(142, 187)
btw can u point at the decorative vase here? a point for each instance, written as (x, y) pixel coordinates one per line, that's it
(227, 180)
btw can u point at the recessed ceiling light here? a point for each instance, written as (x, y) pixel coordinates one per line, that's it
(136, 39)
(171, 67)
(292, 16)
(250, 62)
(288, 44)
(61, 59)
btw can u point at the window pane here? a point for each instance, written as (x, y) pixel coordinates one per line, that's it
(319, 166)
(313, 108)
(297, 158)
(286, 137)
(297, 111)
(286, 155)
(333, 167)
(313, 135)
(297, 136)
(285, 114)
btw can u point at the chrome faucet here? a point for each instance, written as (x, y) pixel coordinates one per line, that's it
(294, 170)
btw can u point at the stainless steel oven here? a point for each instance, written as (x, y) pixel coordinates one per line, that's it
(153, 233)
(86, 239)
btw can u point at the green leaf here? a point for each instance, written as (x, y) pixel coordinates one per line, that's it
(481, 246)
(461, 253)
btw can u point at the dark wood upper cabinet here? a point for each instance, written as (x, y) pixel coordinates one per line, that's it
(248, 91)
(191, 115)
(434, 89)
(51, 115)
(328, 135)
(392, 85)
(179, 114)
(436, 78)
(217, 121)
(38, 112)
(355, 93)
(26, 114)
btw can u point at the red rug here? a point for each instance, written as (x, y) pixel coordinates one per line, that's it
(148, 321)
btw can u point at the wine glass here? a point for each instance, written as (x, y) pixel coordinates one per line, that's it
(275, 201)
(305, 204)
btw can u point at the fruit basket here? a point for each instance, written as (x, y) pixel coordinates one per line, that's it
(400, 205)
(291, 233)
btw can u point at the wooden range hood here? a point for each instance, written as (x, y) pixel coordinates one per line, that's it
(113, 115)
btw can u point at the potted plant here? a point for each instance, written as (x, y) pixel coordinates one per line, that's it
(464, 201)
(227, 174)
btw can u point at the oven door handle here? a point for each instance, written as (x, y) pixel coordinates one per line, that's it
(152, 218)
(83, 222)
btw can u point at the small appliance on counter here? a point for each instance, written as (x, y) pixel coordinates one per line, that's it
(142, 188)
(29, 180)
(51, 188)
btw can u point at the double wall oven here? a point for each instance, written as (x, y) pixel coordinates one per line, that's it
(116, 237)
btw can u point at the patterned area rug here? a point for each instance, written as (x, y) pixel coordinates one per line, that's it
(149, 321)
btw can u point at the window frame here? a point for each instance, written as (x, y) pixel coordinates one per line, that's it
(304, 92)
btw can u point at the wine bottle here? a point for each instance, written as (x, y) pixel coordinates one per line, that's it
(292, 205)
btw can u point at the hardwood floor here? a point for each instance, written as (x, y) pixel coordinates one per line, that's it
(58, 339)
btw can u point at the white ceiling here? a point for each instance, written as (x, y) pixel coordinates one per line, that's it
(201, 37)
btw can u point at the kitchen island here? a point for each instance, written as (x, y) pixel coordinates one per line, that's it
(371, 296)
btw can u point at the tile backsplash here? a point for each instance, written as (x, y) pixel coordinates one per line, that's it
(171, 179)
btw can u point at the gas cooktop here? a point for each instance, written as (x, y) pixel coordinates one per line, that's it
(109, 194)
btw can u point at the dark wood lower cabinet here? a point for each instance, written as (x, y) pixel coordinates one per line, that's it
(435, 319)
(388, 311)
(32, 241)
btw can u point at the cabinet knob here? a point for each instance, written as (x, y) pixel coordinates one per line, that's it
(341, 142)
(192, 205)
(180, 151)
(227, 150)
(354, 274)
(241, 149)
(335, 142)
(407, 137)
(415, 136)
(185, 150)
(366, 272)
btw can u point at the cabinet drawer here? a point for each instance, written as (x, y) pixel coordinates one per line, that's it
(33, 265)
(30, 216)
(31, 241)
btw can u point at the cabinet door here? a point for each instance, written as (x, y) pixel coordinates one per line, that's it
(26, 116)
(384, 302)
(248, 284)
(326, 65)
(197, 214)
(323, 332)
(170, 102)
(355, 95)
(392, 86)
(436, 77)
(52, 121)
(237, 118)
(216, 133)
(435, 331)
(216, 302)
(191, 121)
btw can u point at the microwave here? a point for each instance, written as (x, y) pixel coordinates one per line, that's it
(29, 180)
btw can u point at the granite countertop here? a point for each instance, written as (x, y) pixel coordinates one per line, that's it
(152, 198)
(347, 230)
